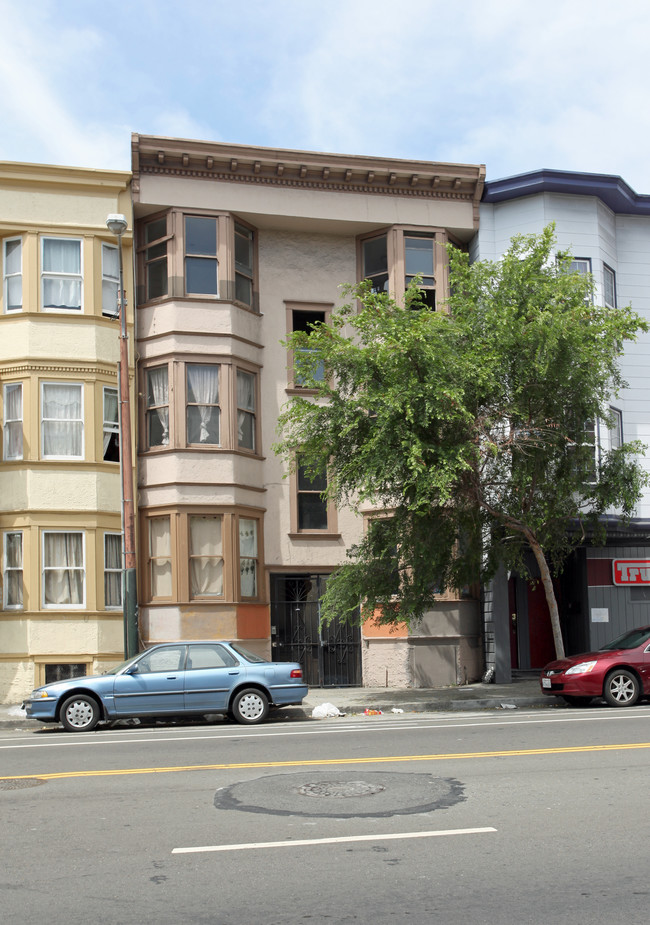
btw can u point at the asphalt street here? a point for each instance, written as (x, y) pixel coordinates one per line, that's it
(483, 817)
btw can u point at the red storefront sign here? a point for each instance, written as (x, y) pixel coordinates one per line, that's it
(631, 571)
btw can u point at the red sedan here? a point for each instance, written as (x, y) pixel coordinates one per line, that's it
(619, 672)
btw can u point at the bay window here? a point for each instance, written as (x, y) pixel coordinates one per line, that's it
(12, 570)
(202, 397)
(375, 262)
(12, 264)
(392, 260)
(160, 557)
(246, 410)
(206, 555)
(200, 255)
(111, 439)
(244, 264)
(112, 571)
(61, 276)
(157, 408)
(110, 280)
(13, 421)
(419, 261)
(248, 558)
(155, 259)
(64, 573)
(61, 420)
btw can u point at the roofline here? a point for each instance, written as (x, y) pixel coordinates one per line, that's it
(609, 188)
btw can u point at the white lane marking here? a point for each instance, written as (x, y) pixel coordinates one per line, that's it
(409, 724)
(339, 840)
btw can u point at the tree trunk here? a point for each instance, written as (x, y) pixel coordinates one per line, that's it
(547, 581)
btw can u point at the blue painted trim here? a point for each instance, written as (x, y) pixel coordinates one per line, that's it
(612, 190)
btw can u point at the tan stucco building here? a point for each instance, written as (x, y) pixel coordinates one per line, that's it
(236, 247)
(60, 496)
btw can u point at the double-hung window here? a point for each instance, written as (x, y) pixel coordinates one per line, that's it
(419, 261)
(312, 504)
(112, 571)
(64, 572)
(110, 280)
(157, 409)
(155, 259)
(375, 262)
(61, 420)
(244, 265)
(246, 410)
(13, 421)
(61, 274)
(248, 556)
(201, 266)
(12, 561)
(12, 264)
(203, 410)
(206, 555)
(609, 280)
(160, 557)
(111, 438)
(304, 320)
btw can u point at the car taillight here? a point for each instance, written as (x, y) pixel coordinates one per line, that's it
(296, 673)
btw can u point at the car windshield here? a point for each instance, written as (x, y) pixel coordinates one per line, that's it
(249, 656)
(629, 640)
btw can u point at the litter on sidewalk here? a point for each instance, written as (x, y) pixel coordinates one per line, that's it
(323, 710)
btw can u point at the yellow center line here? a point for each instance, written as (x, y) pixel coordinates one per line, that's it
(315, 762)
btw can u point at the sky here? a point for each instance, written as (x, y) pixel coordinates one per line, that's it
(511, 84)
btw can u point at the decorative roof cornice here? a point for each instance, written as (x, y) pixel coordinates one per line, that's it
(15, 173)
(304, 169)
(611, 189)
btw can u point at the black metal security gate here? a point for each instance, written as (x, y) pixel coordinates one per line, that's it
(330, 655)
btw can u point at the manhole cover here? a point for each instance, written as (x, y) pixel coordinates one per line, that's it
(378, 795)
(22, 784)
(340, 789)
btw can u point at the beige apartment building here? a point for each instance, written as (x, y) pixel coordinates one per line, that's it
(60, 495)
(236, 247)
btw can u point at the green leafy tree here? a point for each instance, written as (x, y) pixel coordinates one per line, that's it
(472, 427)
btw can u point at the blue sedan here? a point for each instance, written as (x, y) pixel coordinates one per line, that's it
(173, 679)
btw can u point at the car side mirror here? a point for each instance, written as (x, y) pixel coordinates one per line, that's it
(132, 669)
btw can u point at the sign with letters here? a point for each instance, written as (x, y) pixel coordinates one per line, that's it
(631, 571)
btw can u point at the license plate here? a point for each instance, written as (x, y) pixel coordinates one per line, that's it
(546, 682)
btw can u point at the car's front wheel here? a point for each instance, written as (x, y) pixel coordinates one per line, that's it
(79, 713)
(250, 706)
(621, 688)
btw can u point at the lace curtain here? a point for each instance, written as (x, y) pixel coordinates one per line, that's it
(112, 570)
(63, 569)
(248, 556)
(160, 554)
(202, 408)
(246, 410)
(62, 424)
(206, 557)
(63, 258)
(158, 402)
(13, 429)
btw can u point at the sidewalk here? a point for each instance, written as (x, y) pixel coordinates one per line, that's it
(350, 700)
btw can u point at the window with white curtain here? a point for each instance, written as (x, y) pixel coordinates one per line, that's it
(157, 411)
(62, 420)
(246, 405)
(13, 421)
(206, 556)
(112, 571)
(248, 556)
(13, 274)
(203, 411)
(61, 274)
(111, 444)
(160, 557)
(110, 279)
(12, 571)
(64, 573)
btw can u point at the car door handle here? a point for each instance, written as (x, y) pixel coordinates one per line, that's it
(234, 672)
(171, 677)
